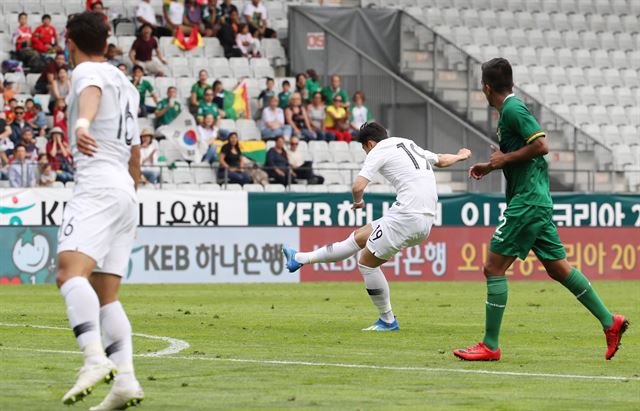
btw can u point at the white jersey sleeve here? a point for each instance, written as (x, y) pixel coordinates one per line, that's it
(372, 164)
(84, 77)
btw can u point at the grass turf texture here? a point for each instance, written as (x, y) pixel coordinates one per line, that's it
(545, 330)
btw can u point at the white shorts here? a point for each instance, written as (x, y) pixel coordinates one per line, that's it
(102, 225)
(396, 231)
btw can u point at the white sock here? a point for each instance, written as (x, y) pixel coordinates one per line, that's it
(116, 336)
(378, 289)
(330, 253)
(83, 310)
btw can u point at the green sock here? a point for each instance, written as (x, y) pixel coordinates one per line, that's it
(580, 286)
(497, 292)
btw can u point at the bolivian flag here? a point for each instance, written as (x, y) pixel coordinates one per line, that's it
(241, 100)
(256, 150)
(194, 40)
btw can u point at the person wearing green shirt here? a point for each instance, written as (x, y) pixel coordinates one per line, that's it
(313, 84)
(168, 109)
(283, 96)
(143, 87)
(208, 106)
(527, 223)
(266, 94)
(198, 89)
(333, 90)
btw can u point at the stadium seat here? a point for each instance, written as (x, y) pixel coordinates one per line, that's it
(342, 157)
(275, 188)
(204, 175)
(606, 96)
(618, 115)
(183, 84)
(298, 188)
(321, 157)
(587, 94)
(248, 130)
(254, 188)
(210, 187)
(339, 188)
(240, 67)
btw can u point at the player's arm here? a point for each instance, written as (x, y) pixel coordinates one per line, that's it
(447, 160)
(536, 148)
(358, 192)
(88, 104)
(134, 165)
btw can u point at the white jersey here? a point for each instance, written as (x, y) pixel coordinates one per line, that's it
(409, 169)
(115, 127)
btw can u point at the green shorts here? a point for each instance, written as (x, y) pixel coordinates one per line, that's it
(527, 227)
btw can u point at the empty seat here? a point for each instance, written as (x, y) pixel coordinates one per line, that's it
(506, 19)
(577, 21)
(258, 188)
(564, 56)
(521, 74)
(547, 56)
(274, 188)
(594, 76)
(599, 114)
(633, 56)
(582, 57)
(518, 37)
(617, 115)
(596, 22)
(499, 36)
(536, 38)
(611, 135)
(587, 94)
(612, 77)
(571, 39)
(560, 21)
(606, 96)
(540, 74)
(542, 21)
(551, 94)
(588, 39)
(612, 22)
(569, 94)
(221, 68)
(618, 58)
(528, 56)
(576, 76)
(524, 19)
(248, 130)
(580, 114)
(620, 95)
(624, 40)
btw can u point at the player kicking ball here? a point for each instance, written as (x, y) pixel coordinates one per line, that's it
(98, 225)
(527, 223)
(407, 223)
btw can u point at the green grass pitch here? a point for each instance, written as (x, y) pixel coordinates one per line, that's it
(545, 331)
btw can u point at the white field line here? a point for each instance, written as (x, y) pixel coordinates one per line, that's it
(174, 345)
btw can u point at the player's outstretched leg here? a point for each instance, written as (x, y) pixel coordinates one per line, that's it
(497, 295)
(576, 282)
(378, 289)
(329, 253)
(83, 310)
(116, 336)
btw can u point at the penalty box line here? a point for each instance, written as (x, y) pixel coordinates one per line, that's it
(357, 366)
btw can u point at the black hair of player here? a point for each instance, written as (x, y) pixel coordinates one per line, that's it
(372, 131)
(89, 32)
(497, 74)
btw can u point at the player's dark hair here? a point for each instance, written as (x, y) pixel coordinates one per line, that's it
(46, 16)
(497, 74)
(372, 131)
(89, 32)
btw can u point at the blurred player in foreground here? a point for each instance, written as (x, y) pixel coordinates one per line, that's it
(409, 169)
(527, 223)
(98, 225)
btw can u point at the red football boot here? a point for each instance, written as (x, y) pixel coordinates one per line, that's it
(478, 352)
(614, 335)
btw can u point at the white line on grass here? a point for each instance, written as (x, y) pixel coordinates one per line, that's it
(175, 345)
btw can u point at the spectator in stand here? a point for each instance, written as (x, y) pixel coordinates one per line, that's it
(169, 108)
(113, 55)
(272, 123)
(249, 46)
(28, 110)
(8, 92)
(60, 87)
(145, 14)
(22, 171)
(149, 157)
(50, 74)
(302, 168)
(266, 94)
(330, 92)
(283, 96)
(198, 89)
(359, 113)
(123, 68)
(18, 125)
(277, 163)
(45, 37)
(91, 3)
(208, 106)
(21, 40)
(227, 35)
(173, 12)
(9, 112)
(296, 117)
(60, 117)
(301, 87)
(313, 84)
(142, 49)
(225, 10)
(143, 87)
(29, 144)
(211, 17)
(232, 162)
(6, 146)
(59, 155)
(337, 120)
(39, 121)
(47, 175)
(192, 19)
(255, 14)
(209, 134)
(98, 7)
(224, 100)
(317, 112)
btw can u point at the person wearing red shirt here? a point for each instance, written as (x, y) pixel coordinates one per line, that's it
(22, 36)
(45, 37)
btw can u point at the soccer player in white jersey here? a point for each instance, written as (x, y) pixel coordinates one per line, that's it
(98, 226)
(407, 223)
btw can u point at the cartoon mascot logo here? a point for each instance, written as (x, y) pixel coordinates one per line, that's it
(31, 256)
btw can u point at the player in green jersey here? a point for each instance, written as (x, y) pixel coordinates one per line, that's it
(527, 223)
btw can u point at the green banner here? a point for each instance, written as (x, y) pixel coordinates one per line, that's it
(28, 255)
(470, 210)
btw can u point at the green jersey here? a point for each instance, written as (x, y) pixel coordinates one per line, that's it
(205, 108)
(143, 87)
(527, 182)
(283, 99)
(199, 90)
(171, 113)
